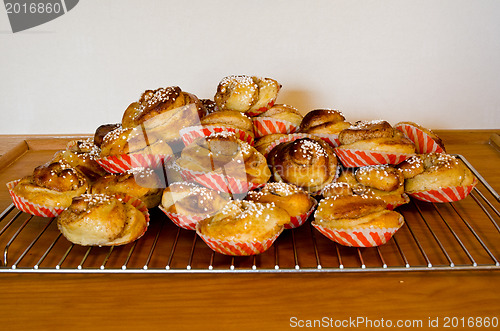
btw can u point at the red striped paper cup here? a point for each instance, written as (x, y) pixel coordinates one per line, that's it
(29, 207)
(237, 248)
(256, 112)
(445, 194)
(332, 139)
(264, 126)
(296, 221)
(357, 158)
(122, 163)
(187, 222)
(190, 133)
(359, 237)
(219, 182)
(422, 141)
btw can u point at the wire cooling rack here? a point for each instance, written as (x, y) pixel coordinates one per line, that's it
(462, 235)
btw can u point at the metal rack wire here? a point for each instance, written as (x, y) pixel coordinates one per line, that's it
(462, 235)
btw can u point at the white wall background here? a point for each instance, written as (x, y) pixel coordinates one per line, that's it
(434, 62)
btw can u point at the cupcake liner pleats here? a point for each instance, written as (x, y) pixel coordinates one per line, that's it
(189, 134)
(187, 222)
(264, 126)
(423, 142)
(445, 194)
(235, 248)
(359, 237)
(123, 163)
(357, 158)
(29, 207)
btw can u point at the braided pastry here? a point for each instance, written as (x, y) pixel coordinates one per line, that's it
(82, 155)
(132, 140)
(225, 154)
(291, 198)
(432, 171)
(52, 185)
(192, 200)
(229, 118)
(101, 220)
(309, 163)
(245, 221)
(246, 94)
(164, 111)
(142, 183)
(381, 181)
(375, 136)
(355, 211)
(321, 121)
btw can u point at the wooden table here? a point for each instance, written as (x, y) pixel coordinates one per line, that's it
(247, 301)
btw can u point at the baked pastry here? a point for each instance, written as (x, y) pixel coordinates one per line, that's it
(225, 158)
(190, 199)
(102, 131)
(424, 172)
(164, 112)
(323, 121)
(309, 163)
(381, 181)
(297, 202)
(424, 139)
(284, 113)
(52, 185)
(133, 141)
(263, 144)
(231, 119)
(102, 220)
(82, 155)
(243, 227)
(356, 220)
(142, 183)
(246, 94)
(355, 211)
(377, 136)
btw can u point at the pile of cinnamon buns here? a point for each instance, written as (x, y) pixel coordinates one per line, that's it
(239, 170)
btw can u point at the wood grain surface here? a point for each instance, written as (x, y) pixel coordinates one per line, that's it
(240, 301)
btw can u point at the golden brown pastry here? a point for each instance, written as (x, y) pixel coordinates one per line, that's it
(262, 144)
(192, 200)
(375, 136)
(323, 121)
(132, 140)
(101, 220)
(309, 163)
(225, 154)
(246, 94)
(291, 198)
(381, 181)
(355, 211)
(142, 183)
(229, 118)
(245, 221)
(164, 112)
(82, 155)
(102, 131)
(432, 171)
(52, 185)
(284, 113)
